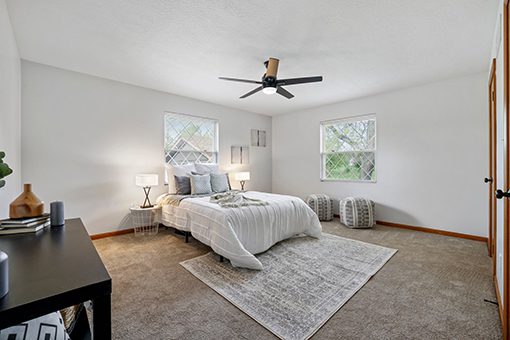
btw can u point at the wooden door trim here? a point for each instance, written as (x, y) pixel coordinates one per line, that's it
(491, 239)
(506, 181)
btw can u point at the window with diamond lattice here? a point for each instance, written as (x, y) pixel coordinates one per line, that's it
(348, 148)
(190, 139)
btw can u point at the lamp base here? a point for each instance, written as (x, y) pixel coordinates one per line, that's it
(147, 201)
(242, 184)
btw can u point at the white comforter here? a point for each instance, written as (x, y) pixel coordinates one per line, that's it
(239, 233)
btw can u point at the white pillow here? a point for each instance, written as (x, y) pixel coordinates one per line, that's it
(207, 168)
(177, 170)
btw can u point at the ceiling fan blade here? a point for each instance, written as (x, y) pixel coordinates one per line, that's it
(284, 92)
(241, 80)
(295, 81)
(251, 92)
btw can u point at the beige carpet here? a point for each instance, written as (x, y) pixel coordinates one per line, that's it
(433, 287)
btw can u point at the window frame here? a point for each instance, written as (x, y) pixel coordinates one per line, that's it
(322, 153)
(216, 139)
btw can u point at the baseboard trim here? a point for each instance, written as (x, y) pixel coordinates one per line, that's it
(433, 231)
(384, 223)
(112, 233)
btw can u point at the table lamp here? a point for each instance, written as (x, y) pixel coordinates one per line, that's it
(242, 177)
(146, 181)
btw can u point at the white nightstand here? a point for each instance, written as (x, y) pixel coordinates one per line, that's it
(145, 221)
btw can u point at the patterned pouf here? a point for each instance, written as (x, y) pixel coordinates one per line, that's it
(321, 205)
(356, 212)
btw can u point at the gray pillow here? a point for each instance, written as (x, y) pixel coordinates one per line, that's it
(182, 185)
(219, 182)
(200, 184)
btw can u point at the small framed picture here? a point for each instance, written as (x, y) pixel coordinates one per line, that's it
(239, 154)
(258, 138)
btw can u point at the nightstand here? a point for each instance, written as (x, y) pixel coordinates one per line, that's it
(145, 221)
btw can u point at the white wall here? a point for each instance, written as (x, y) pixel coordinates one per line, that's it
(432, 151)
(84, 138)
(9, 109)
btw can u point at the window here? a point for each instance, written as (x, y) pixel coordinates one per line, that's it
(348, 149)
(190, 139)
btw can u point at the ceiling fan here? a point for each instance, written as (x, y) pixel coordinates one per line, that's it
(270, 84)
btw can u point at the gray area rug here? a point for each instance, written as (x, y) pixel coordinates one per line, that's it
(304, 281)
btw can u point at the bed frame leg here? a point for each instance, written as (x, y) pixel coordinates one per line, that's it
(221, 258)
(186, 234)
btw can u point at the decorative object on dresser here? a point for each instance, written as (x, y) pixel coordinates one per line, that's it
(26, 204)
(4, 169)
(146, 181)
(321, 204)
(57, 214)
(24, 225)
(357, 212)
(239, 155)
(242, 177)
(145, 221)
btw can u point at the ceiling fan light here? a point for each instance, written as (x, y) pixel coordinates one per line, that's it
(269, 90)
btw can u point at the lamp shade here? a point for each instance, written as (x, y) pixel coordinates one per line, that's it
(242, 176)
(146, 180)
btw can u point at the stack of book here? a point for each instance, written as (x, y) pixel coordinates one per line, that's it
(24, 225)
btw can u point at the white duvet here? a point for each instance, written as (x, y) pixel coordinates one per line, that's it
(239, 233)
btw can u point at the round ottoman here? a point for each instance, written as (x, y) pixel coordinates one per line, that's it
(321, 205)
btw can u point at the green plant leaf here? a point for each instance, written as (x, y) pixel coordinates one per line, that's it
(5, 170)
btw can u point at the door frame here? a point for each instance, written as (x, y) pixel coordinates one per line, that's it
(505, 303)
(491, 240)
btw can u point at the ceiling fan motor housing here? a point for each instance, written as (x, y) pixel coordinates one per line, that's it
(268, 82)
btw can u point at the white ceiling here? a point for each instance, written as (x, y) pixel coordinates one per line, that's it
(361, 47)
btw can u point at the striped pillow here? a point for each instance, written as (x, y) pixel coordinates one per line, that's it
(200, 184)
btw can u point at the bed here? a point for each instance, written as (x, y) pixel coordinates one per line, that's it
(241, 232)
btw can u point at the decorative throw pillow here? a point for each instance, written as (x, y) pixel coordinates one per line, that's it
(200, 184)
(219, 182)
(182, 185)
(209, 168)
(49, 326)
(177, 170)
